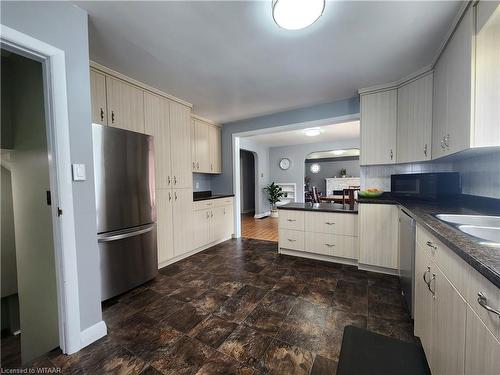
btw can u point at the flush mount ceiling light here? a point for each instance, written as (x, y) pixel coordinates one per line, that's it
(297, 14)
(312, 132)
(338, 152)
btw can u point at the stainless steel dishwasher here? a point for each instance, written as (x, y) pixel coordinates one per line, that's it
(407, 258)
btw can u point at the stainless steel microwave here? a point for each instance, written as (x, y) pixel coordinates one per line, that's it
(427, 186)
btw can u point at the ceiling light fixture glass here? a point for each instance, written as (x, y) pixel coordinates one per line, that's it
(338, 152)
(312, 132)
(297, 14)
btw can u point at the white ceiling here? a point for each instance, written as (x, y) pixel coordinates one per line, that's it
(329, 133)
(231, 61)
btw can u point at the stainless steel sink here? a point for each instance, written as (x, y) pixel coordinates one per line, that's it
(488, 234)
(476, 220)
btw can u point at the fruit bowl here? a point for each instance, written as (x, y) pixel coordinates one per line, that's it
(370, 193)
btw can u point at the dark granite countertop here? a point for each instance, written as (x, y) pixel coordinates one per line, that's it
(216, 196)
(485, 259)
(320, 207)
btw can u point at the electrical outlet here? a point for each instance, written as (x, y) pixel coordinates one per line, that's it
(197, 185)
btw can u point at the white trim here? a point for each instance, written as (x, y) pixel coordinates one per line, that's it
(324, 258)
(93, 333)
(264, 214)
(236, 186)
(192, 252)
(53, 60)
(388, 271)
(397, 84)
(104, 69)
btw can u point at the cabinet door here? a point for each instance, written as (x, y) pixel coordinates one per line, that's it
(193, 147)
(378, 235)
(180, 145)
(201, 225)
(487, 113)
(228, 221)
(164, 224)
(482, 350)
(448, 324)
(415, 120)
(182, 218)
(439, 107)
(202, 147)
(214, 142)
(217, 222)
(459, 85)
(423, 300)
(157, 124)
(98, 97)
(125, 105)
(378, 122)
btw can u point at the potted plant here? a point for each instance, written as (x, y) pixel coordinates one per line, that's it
(274, 195)
(343, 172)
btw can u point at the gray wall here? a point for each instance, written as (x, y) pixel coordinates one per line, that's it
(480, 173)
(202, 182)
(64, 26)
(247, 181)
(330, 168)
(224, 182)
(261, 157)
(297, 155)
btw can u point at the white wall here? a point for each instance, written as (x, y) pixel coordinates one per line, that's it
(297, 155)
(64, 26)
(261, 154)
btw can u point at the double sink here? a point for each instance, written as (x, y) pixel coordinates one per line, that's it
(485, 229)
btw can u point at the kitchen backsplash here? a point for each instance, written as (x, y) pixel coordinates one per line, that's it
(480, 174)
(202, 182)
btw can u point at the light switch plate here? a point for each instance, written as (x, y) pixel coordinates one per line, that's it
(79, 173)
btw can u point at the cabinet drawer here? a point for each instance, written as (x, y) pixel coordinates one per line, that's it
(331, 223)
(427, 241)
(291, 239)
(223, 201)
(289, 219)
(333, 245)
(203, 205)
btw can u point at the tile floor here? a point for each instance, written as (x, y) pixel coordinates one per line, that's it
(240, 308)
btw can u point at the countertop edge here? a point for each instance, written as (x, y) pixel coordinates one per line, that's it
(318, 209)
(213, 197)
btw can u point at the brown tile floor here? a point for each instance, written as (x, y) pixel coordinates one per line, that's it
(240, 308)
(259, 229)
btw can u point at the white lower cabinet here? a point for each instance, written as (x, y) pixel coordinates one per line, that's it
(455, 337)
(164, 227)
(182, 213)
(378, 235)
(330, 244)
(212, 221)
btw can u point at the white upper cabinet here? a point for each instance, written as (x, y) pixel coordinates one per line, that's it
(98, 98)
(414, 129)
(378, 127)
(214, 143)
(206, 147)
(125, 105)
(180, 150)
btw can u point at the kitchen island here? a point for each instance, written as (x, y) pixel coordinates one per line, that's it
(322, 231)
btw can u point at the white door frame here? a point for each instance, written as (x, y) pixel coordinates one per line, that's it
(236, 154)
(58, 145)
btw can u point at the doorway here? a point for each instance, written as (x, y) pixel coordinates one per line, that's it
(30, 314)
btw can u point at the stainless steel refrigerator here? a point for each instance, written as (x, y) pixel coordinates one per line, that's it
(126, 215)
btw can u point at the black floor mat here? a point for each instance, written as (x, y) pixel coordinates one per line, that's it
(367, 353)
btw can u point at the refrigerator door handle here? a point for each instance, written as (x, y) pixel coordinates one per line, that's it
(121, 236)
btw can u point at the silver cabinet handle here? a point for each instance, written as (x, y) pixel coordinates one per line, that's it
(168, 178)
(102, 114)
(197, 165)
(430, 244)
(175, 180)
(329, 223)
(291, 220)
(483, 302)
(442, 144)
(391, 154)
(211, 166)
(329, 244)
(429, 285)
(208, 215)
(175, 195)
(425, 149)
(425, 273)
(169, 196)
(211, 214)
(224, 210)
(447, 141)
(194, 165)
(291, 240)
(112, 117)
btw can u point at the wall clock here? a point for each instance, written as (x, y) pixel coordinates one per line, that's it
(285, 164)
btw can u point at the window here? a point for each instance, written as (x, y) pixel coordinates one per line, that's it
(315, 168)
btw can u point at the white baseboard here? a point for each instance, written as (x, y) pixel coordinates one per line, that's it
(264, 214)
(324, 258)
(93, 333)
(247, 211)
(192, 252)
